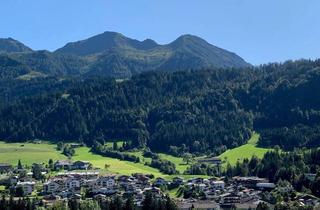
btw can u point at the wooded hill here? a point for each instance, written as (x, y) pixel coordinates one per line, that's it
(198, 111)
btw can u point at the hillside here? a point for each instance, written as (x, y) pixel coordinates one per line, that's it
(200, 112)
(10, 45)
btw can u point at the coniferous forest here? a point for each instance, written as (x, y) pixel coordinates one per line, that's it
(204, 111)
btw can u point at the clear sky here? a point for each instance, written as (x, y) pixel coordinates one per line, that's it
(260, 31)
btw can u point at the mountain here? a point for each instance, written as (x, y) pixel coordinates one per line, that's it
(112, 54)
(10, 45)
(115, 55)
(104, 42)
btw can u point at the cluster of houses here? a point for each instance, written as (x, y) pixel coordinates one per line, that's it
(240, 192)
(69, 184)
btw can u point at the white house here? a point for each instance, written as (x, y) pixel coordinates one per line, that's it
(218, 185)
(106, 182)
(27, 187)
(266, 185)
(51, 187)
(72, 184)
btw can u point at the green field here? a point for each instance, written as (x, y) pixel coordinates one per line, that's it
(245, 151)
(181, 166)
(28, 153)
(115, 166)
(178, 161)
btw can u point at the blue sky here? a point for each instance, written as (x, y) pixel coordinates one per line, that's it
(260, 31)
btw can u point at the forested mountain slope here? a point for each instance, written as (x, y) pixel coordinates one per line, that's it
(204, 111)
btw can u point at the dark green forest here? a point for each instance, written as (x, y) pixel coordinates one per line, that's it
(200, 112)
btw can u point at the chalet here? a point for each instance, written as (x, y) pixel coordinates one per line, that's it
(177, 180)
(63, 165)
(52, 186)
(198, 180)
(27, 187)
(141, 179)
(106, 181)
(265, 186)
(4, 168)
(153, 190)
(104, 191)
(72, 184)
(218, 185)
(160, 182)
(210, 160)
(249, 181)
(80, 165)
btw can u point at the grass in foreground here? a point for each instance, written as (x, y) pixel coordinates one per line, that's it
(245, 151)
(28, 153)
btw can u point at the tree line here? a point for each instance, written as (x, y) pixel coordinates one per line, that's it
(200, 112)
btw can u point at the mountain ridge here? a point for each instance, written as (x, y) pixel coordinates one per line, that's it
(114, 55)
(10, 45)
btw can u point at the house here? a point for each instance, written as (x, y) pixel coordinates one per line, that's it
(250, 182)
(106, 181)
(51, 187)
(160, 182)
(265, 186)
(72, 184)
(63, 165)
(211, 160)
(13, 180)
(177, 180)
(310, 177)
(80, 165)
(5, 167)
(153, 190)
(218, 185)
(141, 179)
(27, 187)
(196, 180)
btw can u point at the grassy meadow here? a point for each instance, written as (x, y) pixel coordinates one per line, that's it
(114, 165)
(28, 153)
(245, 151)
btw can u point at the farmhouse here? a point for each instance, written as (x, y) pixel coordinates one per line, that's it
(160, 182)
(80, 165)
(4, 168)
(63, 164)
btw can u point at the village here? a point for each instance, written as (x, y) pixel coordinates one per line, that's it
(78, 180)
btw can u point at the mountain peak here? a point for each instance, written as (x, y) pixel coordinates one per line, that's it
(104, 42)
(10, 45)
